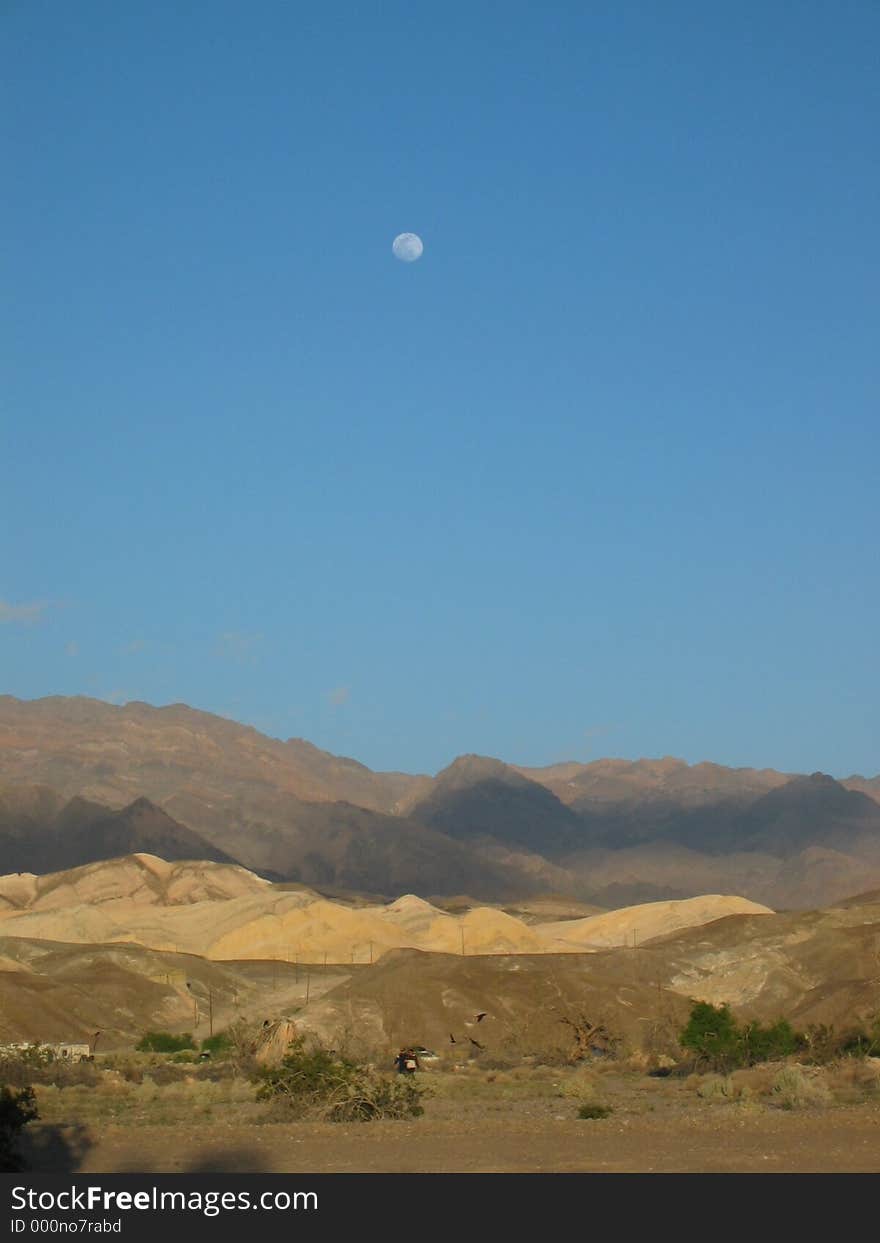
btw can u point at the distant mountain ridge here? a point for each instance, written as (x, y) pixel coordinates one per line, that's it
(611, 832)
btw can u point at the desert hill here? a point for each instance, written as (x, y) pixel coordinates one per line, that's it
(815, 967)
(51, 990)
(111, 946)
(140, 879)
(524, 1001)
(867, 785)
(633, 925)
(223, 912)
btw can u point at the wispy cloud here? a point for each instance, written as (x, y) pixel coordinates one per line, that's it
(339, 696)
(21, 614)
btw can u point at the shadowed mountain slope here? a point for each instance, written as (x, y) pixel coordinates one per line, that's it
(477, 797)
(41, 833)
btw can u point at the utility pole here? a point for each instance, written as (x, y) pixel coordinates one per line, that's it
(210, 1012)
(371, 953)
(308, 983)
(461, 930)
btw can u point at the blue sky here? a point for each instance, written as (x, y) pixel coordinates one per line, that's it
(598, 475)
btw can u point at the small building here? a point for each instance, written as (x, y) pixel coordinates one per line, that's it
(49, 1050)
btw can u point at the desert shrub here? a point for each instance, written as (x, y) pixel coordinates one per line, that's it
(854, 1079)
(718, 1088)
(493, 1061)
(15, 1071)
(824, 1043)
(130, 1072)
(792, 1089)
(594, 1110)
(186, 1057)
(580, 1084)
(312, 1081)
(169, 1072)
(17, 1108)
(164, 1042)
(242, 1038)
(862, 1042)
(20, 1070)
(146, 1092)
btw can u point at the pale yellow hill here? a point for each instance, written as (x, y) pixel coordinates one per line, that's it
(651, 919)
(224, 912)
(141, 878)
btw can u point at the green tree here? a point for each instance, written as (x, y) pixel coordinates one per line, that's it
(712, 1036)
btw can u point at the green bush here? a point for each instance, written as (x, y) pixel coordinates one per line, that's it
(221, 1043)
(17, 1109)
(716, 1041)
(317, 1083)
(164, 1042)
(594, 1111)
(769, 1044)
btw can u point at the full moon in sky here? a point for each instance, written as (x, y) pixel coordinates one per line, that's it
(407, 247)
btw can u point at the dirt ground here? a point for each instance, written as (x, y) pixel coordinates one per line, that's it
(482, 1125)
(847, 1140)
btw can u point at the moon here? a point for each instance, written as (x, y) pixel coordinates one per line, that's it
(407, 247)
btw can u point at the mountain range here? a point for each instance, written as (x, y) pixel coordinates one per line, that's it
(81, 779)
